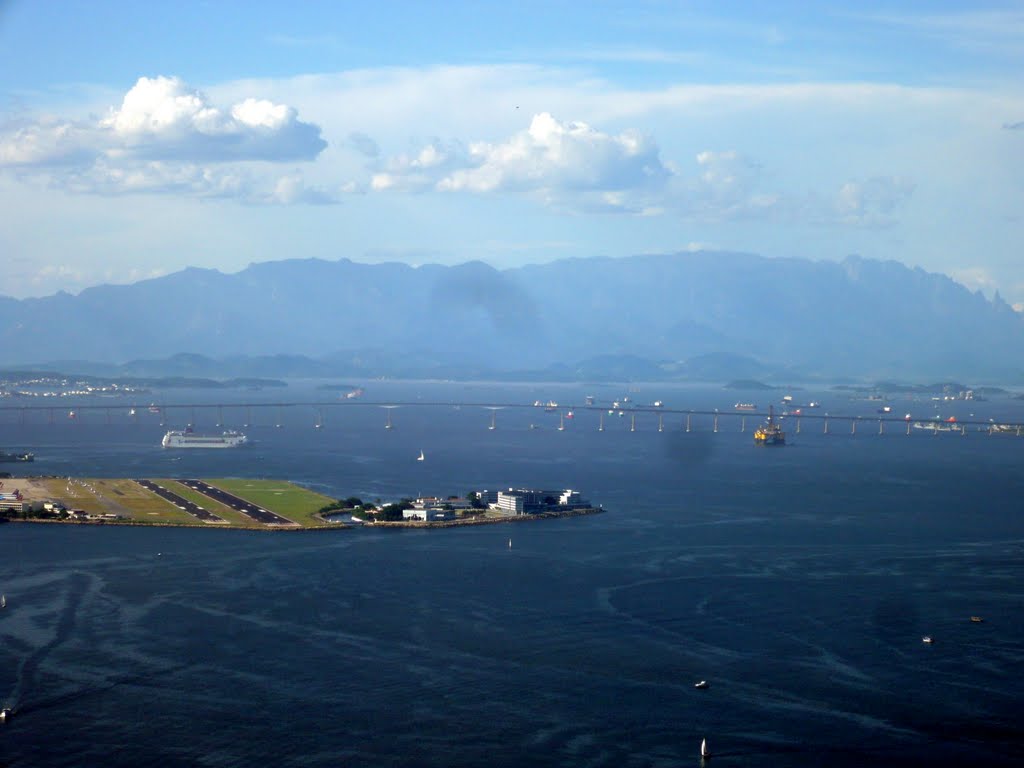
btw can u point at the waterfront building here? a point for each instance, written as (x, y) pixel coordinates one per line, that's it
(487, 497)
(434, 502)
(572, 499)
(12, 502)
(525, 501)
(428, 515)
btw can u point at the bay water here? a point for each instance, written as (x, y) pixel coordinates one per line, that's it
(797, 581)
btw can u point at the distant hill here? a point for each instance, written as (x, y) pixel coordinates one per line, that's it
(709, 315)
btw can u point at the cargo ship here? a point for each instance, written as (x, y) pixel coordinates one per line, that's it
(745, 407)
(770, 433)
(6, 457)
(186, 438)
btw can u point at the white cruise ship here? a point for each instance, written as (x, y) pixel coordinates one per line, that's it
(178, 438)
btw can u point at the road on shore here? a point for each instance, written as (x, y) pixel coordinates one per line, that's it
(257, 513)
(179, 501)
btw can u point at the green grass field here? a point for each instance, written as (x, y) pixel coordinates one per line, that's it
(279, 496)
(130, 500)
(233, 517)
(119, 496)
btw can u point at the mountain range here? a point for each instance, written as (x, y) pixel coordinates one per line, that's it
(706, 315)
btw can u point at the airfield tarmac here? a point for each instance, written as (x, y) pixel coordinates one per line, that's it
(233, 502)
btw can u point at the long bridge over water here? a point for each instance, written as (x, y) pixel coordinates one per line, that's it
(639, 416)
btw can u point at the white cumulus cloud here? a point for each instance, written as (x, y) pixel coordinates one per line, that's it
(165, 137)
(557, 155)
(426, 168)
(563, 163)
(728, 186)
(163, 117)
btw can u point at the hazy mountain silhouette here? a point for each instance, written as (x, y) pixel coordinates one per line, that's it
(690, 315)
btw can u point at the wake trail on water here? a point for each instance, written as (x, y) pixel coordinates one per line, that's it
(78, 587)
(127, 679)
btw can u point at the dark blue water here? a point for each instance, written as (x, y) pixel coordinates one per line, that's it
(798, 581)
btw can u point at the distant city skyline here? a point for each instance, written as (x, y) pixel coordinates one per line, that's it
(137, 140)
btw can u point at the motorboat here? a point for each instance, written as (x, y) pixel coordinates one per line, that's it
(927, 639)
(703, 684)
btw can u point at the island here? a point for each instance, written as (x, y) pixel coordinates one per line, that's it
(263, 504)
(47, 386)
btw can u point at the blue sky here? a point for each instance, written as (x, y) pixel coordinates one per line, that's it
(138, 139)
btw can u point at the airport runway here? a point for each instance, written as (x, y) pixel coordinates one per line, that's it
(189, 506)
(247, 508)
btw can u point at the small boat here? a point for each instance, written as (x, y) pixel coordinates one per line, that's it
(977, 619)
(704, 748)
(703, 684)
(5, 714)
(510, 543)
(3, 601)
(421, 457)
(927, 639)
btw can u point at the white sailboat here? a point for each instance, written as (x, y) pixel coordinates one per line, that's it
(510, 543)
(421, 457)
(3, 601)
(704, 748)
